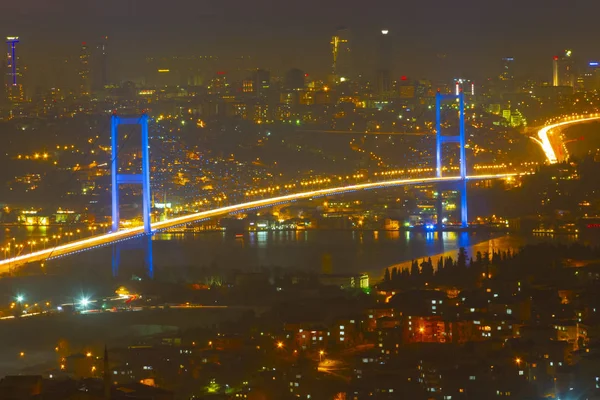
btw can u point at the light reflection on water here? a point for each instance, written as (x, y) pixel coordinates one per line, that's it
(349, 251)
(176, 254)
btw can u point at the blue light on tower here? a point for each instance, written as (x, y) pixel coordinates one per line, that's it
(12, 44)
(127, 179)
(122, 179)
(460, 139)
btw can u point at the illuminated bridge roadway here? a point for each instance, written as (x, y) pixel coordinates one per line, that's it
(112, 237)
(544, 139)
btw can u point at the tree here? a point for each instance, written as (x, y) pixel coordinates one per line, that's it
(462, 258)
(414, 269)
(427, 269)
(478, 258)
(486, 258)
(387, 277)
(394, 274)
(448, 264)
(496, 258)
(440, 266)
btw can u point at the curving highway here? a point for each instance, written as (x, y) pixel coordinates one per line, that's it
(105, 239)
(544, 139)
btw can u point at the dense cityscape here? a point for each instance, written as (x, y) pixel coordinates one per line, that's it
(185, 224)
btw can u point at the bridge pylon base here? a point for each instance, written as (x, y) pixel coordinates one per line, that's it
(148, 255)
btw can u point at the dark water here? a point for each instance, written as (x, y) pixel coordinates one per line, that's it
(181, 258)
(178, 257)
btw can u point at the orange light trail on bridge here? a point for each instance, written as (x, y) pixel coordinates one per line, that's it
(101, 240)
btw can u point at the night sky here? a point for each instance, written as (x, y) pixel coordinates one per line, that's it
(473, 35)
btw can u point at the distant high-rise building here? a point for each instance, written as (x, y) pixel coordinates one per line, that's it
(590, 79)
(14, 86)
(508, 73)
(384, 63)
(99, 68)
(563, 70)
(506, 79)
(294, 79)
(341, 54)
(262, 81)
(84, 70)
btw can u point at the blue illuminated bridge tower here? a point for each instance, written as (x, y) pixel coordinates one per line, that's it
(142, 179)
(460, 139)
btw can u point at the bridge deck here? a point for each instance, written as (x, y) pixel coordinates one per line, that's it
(108, 238)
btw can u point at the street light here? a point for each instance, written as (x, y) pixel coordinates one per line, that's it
(321, 354)
(280, 345)
(84, 302)
(20, 298)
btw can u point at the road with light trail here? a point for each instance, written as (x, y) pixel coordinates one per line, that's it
(108, 238)
(544, 138)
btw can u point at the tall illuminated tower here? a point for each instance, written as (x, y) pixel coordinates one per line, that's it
(84, 70)
(460, 139)
(100, 65)
(555, 71)
(563, 70)
(14, 86)
(142, 179)
(508, 73)
(384, 63)
(340, 54)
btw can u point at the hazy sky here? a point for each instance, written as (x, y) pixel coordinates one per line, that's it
(281, 34)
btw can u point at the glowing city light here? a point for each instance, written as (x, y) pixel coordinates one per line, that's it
(544, 140)
(102, 240)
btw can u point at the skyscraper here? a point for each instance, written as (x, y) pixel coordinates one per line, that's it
(508, 73)
(99, 69)
(341, 54)
(14, 86)
(590, 79)
(384, 64)
(563, 70)
(506, 78)
(84, 70)
(262, 82)
(294, 79)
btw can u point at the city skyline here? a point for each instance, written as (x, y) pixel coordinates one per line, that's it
(232, 29)
(280, 200)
